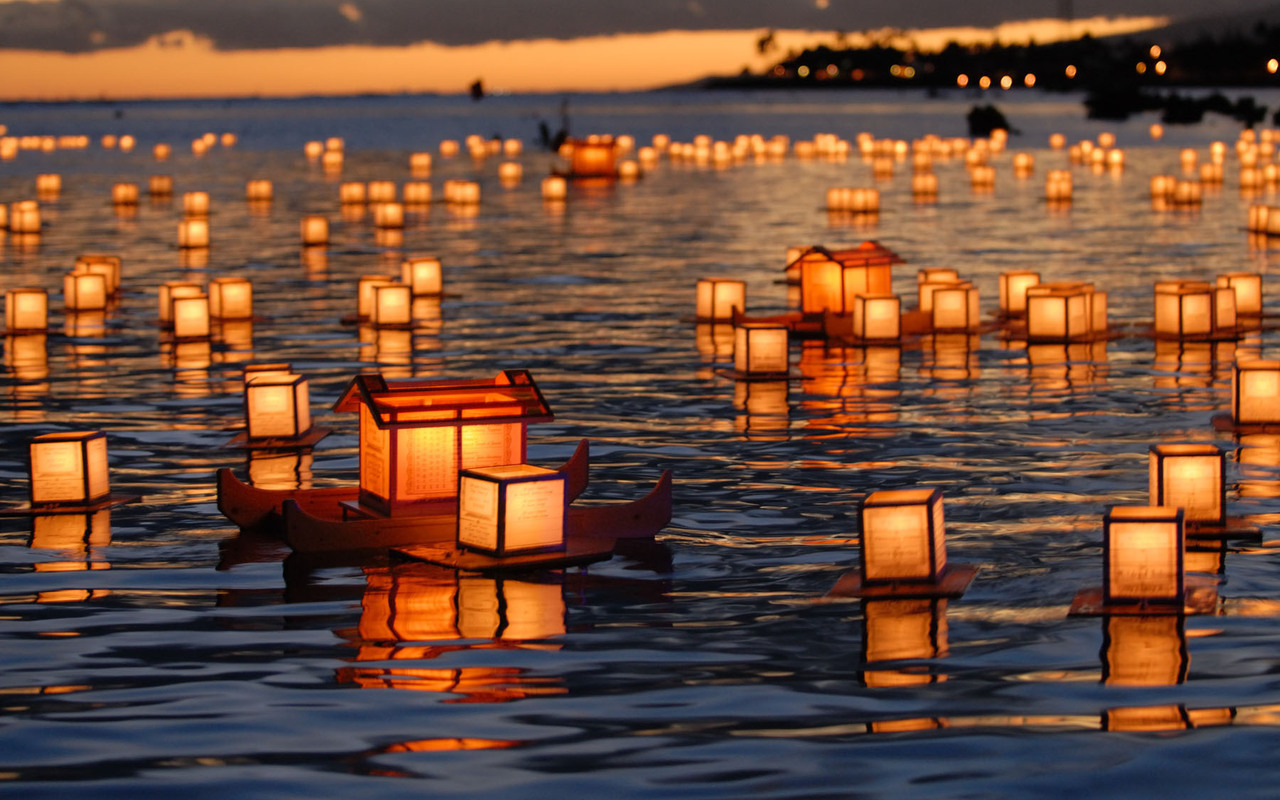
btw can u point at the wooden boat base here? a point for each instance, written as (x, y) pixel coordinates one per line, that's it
(241, 441)
(1223, 423)
(1235, 528)
(1200, 596)
(29, 510)
(579, 550)
(953, 582)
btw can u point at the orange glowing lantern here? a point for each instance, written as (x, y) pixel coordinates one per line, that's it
(1190, 477)
(160, 185)
(924, 186)
(26, 310)
(1248, 289)
(956, 308)
(169, 290)
(877, 317)
(449, 148)
(277, 406)
(124, 194)
(24, 217)
(392, 305)
(593, 157)
(417, 193)
(1058, 313)
(415, 436)
(388, 215)
(1143, 551)
(760, 349)
(190, 316)
(554, 188)
(1058, 186)
(84, 291)
(365, 297)
(513, 509)
(193, 233)
(69, 469)
(231, 298)
(352, 193)
(105, 265)
(420, 164)
(1013, 291)
(49, 186)
(821, 282)
(424, 275)
(315, 230)
(510, 172)
(331, 161)
(719, 298)
(902, 537)
(1191, 310)
(1255, 390)
(381, 191)
(259, 190)
(195, 204)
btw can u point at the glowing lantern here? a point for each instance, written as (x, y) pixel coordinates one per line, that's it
(26, 310)
(554, 187)
(417, 193)
(169, 290)
(24, 217)
(190, 317)
(1190, 477)
(1143, 551)
(84, 291)
(982, 177)
(381, 191)
(1058, 313)
(124, 194)
(719, 298)
(315, 230)
(1163, 187)
(195, 204)
(69, 469)
(388, 215)
(510, 172)
(424, 275)
(231, 298)
(955, 307)
(902, 536)
(108, 266)
(1255, 392)
(449, 148)
(592, 157)
(1190, 309)
(259, 190)
(1058, 186)
(1188, 193)
(628, 170)
(277, 406)
(821, 283)
(1023, 164)
(1257, 219)
(1248, 289)
(416, 435)
(160, 185)
(760, 349)
(877, 317)
(1013, 291)
(420, 164)
(49, 186)
(365, 297)
(508, 510)
(331, 161)
(352, 193)
(334, 144)
(193, 233)
(392, 305)
(924, 185)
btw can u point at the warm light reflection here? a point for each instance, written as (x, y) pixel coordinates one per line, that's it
(902, 630)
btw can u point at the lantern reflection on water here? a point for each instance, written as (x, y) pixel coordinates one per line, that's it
(76, 541)
(902, 629)
(766, 407)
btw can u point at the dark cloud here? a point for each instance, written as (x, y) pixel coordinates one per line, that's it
(81, 25)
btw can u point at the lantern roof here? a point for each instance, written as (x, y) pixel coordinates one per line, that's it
(869, 253)
(510, 396)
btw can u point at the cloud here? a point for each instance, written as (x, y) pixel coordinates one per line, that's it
(83, 25)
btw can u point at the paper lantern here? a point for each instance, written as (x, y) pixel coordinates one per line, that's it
(84, 291)
(509, 510)
(510, 172)
(365, 293)
(352, 193)
(1023, 164)
(956, 307)
(26, 309)
(174, 289)
(69, 469)
(593, 157)
(1248, 290)
(265, 369)
(331, 161)
(982, 178)
(392, 304)
(1191, 309)
(388, 215)
(381, 192)
(1013, 291)
(1143, 551)
(277, 406)
(101, 264)
(449, 148)
(231, 298)
(124, 194)
(49, 186)
(1190, 477)
(760, 349)
(902, 536)
(193, 233)
(877, 317)
(420, 164)
(24, 217)
(417, 193)
(315, 230)
(924, 185)
(160, 185)
(259, 190)
(424, 275)
(1058, 314)
(1255, 392)
(1058, 186)
(554, 187)
(190, 316)
(195, 204)
(334, 144)
(719, 298)
(821, 283)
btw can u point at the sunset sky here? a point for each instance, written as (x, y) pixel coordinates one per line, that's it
(88, 49)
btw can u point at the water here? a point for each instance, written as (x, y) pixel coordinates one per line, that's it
(154, 650)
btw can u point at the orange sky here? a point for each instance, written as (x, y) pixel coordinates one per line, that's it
(181, 65)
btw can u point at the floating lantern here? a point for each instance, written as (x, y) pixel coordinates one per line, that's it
(510, 172)
(955, 307)
(1211, 173)
(49, 186)
(554, 187)
(193, 233)
(84, 291)
(277, 406)
(1013, 291)
(510, 510)
(388, 215)
(124, 194)
(719, 298)
(924, 186)
(449, 148)
(352, 193)
(1248, 290)
(1163, 187)
(416, 435)
(1188, 193)
(259, 190)
(227, 139)
(4, 217)
(315, 230)
(424, 275)
(195, 204)
(231, 298)
(365, 293)
(1143, 551)
(1060, 313)
(593, 157)
(108, 266)
(1058, 186)
(392, 305)
(760, 349)
(1023, 164)
(877, 317)
(1191, 309)
(1189, 477)
(982, 177)
(821, 282)
(69, 469)
(628, 170)
(420, 164)
(1255, 392)
(190, 316)
(313, 150)
(417, 193)
(24, 217)
(169, 290)
(331, 161)
(160, 186)
(902, 537)
(26, 310)
(381, 191)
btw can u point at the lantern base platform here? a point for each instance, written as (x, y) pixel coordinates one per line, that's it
(953, 582)
(578, 550)
(29, 510)
(241, 441)
(1200, 596)
(1235, 528)
(1225, 424)
(758, 376)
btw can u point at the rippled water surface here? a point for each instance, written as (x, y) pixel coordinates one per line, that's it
(153, 649)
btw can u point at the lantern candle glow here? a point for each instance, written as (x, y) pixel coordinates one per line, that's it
(760, 349)
(719, 298)
(512, 509)
(1143, 554)
(902, 536)
(277, 406)
(69, 469)
(26, 309)
(1190, 477)
(231, 298)
(424, 275)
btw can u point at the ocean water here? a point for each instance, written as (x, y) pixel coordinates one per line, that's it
(154, 649)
